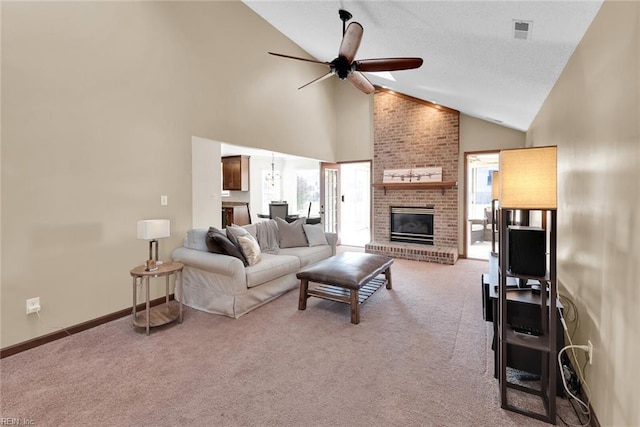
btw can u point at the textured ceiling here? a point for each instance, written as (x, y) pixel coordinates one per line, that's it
(472, 62)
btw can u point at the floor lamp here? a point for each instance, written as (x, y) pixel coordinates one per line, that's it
(528, 181)
(495, 194)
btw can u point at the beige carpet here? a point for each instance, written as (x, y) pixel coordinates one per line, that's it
(420, 356)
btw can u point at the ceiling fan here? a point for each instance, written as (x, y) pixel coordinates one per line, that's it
(346, 67)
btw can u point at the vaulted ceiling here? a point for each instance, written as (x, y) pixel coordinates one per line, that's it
(474, 59)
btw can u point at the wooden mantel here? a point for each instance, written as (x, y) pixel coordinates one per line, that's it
(443, 185)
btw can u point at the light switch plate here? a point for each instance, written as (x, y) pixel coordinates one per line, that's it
(33, 305)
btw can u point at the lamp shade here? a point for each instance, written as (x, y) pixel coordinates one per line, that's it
(528, 178)
(150, 229)
(495, 185)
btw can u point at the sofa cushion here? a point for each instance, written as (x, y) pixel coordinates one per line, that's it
(196, 239)
(271, 267)
(308, 255)
(229, 248)
(315, 234)
(291, 234)
(211, 244)
(250, 248)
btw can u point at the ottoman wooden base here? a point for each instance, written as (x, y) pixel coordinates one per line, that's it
(350, 278)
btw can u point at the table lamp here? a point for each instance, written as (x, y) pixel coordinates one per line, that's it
(152, 229)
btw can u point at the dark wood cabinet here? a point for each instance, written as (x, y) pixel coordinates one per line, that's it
(235, 213)
(235, 173)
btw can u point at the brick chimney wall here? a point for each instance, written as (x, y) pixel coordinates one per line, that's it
(410, 133)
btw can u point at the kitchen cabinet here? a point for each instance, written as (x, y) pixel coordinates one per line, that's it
(235, 173)
(235, 213)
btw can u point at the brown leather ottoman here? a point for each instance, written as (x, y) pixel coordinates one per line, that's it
(349, 277)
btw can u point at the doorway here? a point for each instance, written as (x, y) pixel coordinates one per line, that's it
(479, 230)
(346, 201)
(355, 212)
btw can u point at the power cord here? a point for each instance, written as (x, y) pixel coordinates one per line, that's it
(570, 312)
(586, 411)
(564, 381)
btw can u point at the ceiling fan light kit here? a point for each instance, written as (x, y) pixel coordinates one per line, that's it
(347, 68)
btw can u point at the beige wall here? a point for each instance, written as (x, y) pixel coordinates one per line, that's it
(354, 123)
(206, 183)
(592, 115)
(99, 105)
(480, 135)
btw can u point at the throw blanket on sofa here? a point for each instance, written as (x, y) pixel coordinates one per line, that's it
(267, 235)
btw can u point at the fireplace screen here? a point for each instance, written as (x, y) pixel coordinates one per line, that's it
(412, 225)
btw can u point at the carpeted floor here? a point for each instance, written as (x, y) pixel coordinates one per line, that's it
(421, 356)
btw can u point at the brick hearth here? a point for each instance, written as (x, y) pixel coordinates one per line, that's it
(410, 133)
(413, 252)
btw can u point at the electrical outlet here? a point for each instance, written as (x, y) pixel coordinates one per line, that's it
(33, 305)
(590, 352)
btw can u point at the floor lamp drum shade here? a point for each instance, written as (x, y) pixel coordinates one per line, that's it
(528, 178)
(495, 185)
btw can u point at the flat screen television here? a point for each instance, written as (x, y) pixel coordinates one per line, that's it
(527, 250)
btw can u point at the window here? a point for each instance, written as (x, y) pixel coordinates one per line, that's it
(307, 191)
(271, 188)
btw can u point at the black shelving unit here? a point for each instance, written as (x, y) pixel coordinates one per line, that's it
(546, 341)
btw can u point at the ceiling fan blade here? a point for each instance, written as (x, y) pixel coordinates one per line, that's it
(360, 81)
(298, 58)
(351, 41)
(388, 64)
(319, 79)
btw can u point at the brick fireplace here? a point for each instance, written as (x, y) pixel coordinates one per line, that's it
(410, 133)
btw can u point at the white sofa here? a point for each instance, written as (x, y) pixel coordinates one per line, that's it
(221, 284)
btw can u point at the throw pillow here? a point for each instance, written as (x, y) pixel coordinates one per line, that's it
(315, 234)
(212, 245)
(233, 231)
(250, 248)
(229, 247)
(251, 228)
(291, 234)
(196, 239)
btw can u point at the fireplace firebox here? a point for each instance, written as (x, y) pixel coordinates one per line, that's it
(412, 225)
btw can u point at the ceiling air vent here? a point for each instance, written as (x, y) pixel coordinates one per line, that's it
(522, 29)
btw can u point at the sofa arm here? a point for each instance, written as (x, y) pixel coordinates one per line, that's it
(224, 265)
(332, 239)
